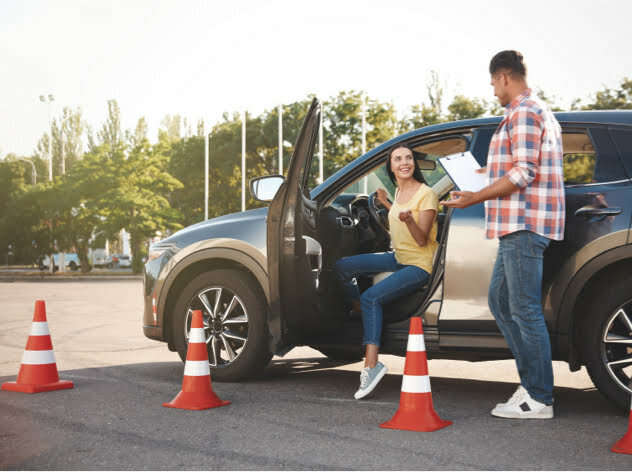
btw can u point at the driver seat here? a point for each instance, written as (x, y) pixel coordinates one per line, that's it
(408, 305)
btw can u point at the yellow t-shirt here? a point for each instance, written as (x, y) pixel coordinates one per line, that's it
(407, 251)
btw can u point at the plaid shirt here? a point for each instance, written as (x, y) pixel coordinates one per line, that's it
(527, 148)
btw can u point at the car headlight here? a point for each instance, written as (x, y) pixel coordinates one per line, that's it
(158, 249)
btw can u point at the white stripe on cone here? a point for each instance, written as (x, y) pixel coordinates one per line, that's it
(196, 368)
(416, 384)
(196, 335)
(39, 328)
(416, 343)
(38, 357)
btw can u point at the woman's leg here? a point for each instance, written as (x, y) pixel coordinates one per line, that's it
(405, 280)
(348, 268)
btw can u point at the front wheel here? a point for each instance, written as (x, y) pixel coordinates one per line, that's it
(234, 316)
(607, 336)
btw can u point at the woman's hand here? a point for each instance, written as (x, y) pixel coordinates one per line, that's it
(406, 216)
(383, 198)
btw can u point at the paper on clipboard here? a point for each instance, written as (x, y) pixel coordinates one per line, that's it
(461, 168)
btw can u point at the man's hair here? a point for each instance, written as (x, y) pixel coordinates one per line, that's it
(511, 61)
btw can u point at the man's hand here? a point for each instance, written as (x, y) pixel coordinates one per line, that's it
(460, 200)
(406, 216)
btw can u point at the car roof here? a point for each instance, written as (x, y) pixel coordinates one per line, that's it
(584, 117)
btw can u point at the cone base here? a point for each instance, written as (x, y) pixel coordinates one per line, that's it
(623, 445)
(195, 401)
(427, 423)
(37, 388)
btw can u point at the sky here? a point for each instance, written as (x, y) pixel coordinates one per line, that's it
(200, 59)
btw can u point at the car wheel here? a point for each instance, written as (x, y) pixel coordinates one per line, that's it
(73, 266)
(607, 338)
(234, 315)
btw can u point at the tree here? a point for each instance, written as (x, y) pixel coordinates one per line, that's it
(609, 99)
(463, 108)
(135, 196)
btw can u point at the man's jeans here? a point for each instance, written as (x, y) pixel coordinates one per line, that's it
(404, 280)
(515, 300)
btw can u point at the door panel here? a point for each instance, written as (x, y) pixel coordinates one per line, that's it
(292, 290)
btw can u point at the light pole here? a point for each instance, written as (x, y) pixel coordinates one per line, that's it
(49, 99)
(34, 170)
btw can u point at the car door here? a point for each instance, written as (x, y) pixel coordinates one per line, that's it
(292, 214)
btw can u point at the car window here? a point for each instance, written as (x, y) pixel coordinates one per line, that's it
(608, 167)
(367, 184)
(580, 158)
(623, 141)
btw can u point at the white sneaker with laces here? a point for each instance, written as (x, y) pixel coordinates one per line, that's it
(524, 407)
(369, 378)
(517, 395)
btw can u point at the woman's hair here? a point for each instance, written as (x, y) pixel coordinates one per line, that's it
(417, 175)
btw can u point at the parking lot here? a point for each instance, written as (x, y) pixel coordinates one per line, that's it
(299, 415)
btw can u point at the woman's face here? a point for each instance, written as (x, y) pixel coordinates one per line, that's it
(402, 163)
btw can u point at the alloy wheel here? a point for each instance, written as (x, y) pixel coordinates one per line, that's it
(225, 321)
(616, 346)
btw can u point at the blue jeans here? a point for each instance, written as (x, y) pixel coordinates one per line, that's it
(515, 300)
(404, 280)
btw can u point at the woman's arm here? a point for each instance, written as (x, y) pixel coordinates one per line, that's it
(419, 231)
(383, 198)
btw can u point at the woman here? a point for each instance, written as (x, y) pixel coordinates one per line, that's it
(413, 227)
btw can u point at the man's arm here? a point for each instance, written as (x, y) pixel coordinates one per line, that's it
(499, 188)
(525, 132)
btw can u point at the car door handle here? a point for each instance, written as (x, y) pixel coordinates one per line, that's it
(589, 212)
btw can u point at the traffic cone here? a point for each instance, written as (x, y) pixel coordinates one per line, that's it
(197, 392)
(38, 371)
(624, 445)
(416, 412)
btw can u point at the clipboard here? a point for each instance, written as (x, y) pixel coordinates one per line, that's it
(461, 168)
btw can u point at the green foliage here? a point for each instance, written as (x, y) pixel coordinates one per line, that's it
(608, 99)
(124, 182)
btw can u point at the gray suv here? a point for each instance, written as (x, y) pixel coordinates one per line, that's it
(264, 281)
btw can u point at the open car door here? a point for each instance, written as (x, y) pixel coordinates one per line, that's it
(293, 297)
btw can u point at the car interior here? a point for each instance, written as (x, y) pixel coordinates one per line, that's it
(353, 222)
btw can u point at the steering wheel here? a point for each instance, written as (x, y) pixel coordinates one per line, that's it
(378, 212)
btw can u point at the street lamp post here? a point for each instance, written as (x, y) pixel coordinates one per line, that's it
(49, 99)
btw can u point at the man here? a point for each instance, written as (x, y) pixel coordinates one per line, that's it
(524, 207)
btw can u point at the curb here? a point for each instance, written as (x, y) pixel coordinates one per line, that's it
(79, 278)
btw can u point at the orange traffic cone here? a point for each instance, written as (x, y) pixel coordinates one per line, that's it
(38, 371)
(197, 392)
(624, 445)
(416, 412)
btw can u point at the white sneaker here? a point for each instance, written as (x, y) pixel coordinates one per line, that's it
(520, 391)
(369, 378)
(524, 407)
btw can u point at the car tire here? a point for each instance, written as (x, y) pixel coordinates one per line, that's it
(73, 266)
(230, 358)
(606, 338)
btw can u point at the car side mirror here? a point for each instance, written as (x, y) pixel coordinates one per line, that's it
(263, 189)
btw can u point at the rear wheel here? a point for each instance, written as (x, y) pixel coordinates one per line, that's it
(73, 266)
(607, 336)
(233, 313)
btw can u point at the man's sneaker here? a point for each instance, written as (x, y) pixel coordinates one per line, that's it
(524, 407)
(520, 391)
(369, 378)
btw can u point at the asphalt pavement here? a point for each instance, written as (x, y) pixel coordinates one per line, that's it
(299, 415)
